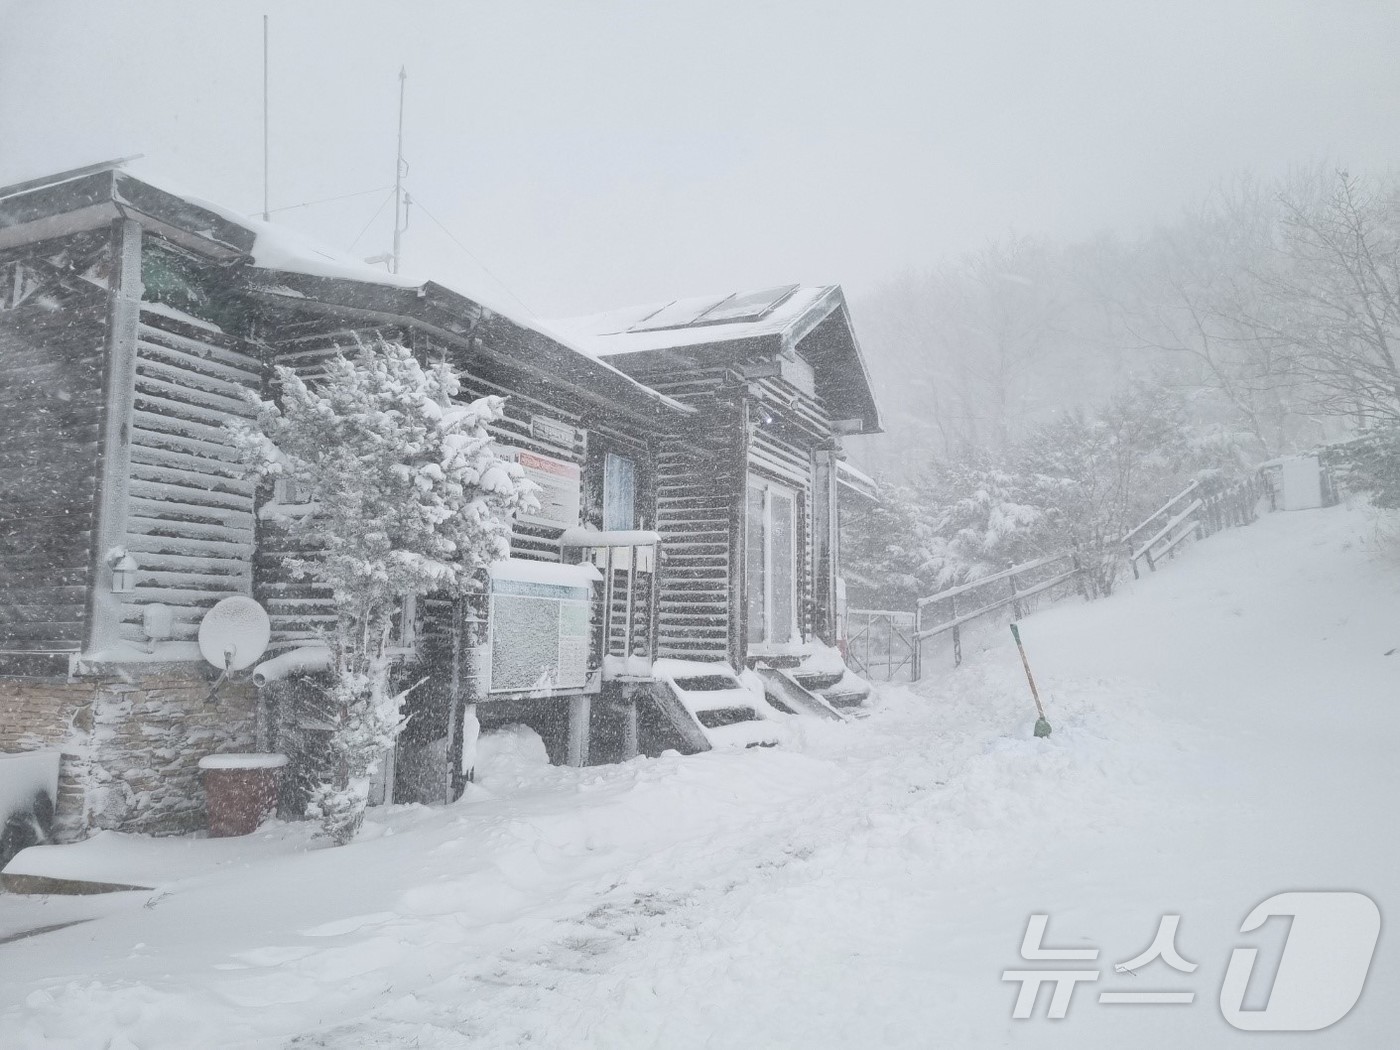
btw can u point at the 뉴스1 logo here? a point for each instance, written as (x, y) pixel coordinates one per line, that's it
(1318, 980)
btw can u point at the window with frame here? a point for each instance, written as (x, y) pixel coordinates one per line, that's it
(619, 493)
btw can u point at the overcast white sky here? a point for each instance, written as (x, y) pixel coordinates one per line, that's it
(596, 153)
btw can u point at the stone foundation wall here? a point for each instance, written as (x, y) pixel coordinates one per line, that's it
(131, 744)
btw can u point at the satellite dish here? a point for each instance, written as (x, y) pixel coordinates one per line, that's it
(234, 634)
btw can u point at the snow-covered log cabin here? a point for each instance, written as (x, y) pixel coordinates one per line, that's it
(687, 527)
(747, 492)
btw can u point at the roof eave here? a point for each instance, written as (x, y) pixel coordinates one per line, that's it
(33, 213)
(833, 300)
(449, 315)
(782, 341)
(646, 362)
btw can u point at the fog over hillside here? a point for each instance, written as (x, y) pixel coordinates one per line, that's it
(1268, 308)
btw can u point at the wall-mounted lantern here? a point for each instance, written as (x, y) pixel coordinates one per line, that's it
(124, 574)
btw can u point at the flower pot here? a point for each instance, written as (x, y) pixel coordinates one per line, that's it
(240, 791)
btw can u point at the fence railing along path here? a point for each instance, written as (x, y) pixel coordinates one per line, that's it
(1012, 588)
(882, 643)
(1197, 510)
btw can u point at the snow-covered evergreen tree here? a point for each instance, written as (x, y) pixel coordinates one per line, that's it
(1077, 484)
(884, 548)
(409, 498)
(980, 520)
(1094, 478)
(1371, 464)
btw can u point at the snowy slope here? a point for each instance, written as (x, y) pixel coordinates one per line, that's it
(1224, 730)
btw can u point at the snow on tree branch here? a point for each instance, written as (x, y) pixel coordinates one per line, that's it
(409, 498)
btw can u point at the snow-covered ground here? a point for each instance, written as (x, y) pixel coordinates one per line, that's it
(1224, 730)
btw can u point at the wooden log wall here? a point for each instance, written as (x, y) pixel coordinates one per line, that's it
(190, 514)
(52, 328)
(698, 487)
(694, 508)
(299, 609)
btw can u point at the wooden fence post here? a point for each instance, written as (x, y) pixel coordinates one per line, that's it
(916, 658)
(957, 632)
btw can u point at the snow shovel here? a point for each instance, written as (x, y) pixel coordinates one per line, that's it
(1042, 727)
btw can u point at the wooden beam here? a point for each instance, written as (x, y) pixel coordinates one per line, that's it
(114, 478)
(764, 368)
(738, 533)
(826, 544)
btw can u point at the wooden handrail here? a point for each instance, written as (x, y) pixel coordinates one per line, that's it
(1166, 529)
(1205, 513)
(1000, 603)
(982, 581)
(1127, 538)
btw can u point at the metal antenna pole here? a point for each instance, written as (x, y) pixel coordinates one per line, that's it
(398, 177)
(266, 213)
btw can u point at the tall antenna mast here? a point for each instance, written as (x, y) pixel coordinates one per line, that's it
(400, 210)
(266, 214)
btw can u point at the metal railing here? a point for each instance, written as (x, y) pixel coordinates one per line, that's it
(884, 642)
(880, 643)
(1014, 588)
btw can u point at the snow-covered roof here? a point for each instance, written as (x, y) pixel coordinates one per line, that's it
(695, 321)
(87, 198)
(768, 321)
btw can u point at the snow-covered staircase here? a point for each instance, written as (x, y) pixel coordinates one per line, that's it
(692, 706)
(822, 672)
(789, 695)
(843, 691)
(703, 706)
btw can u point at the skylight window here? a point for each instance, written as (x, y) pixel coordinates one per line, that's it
(749, 306)
(709, 310)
